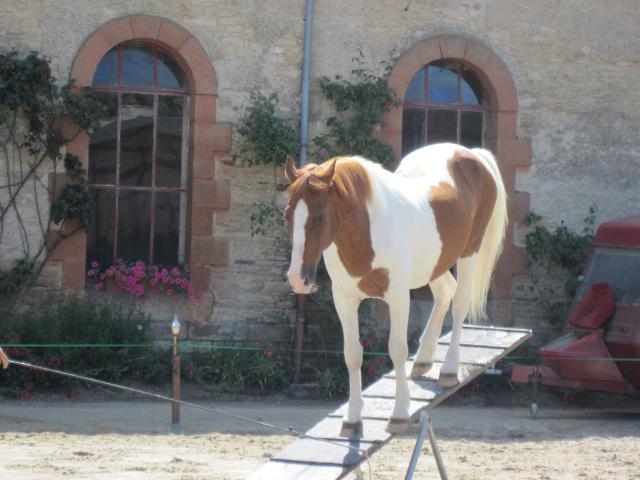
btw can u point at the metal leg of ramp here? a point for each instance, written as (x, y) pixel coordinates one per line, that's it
(425, 429)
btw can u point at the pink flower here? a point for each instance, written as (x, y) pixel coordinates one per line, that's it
(175, 272)
(94, 264)
(98, 286)
(153, 281)
(119, 261)
(164, 272)
(169, 292)
(91, 273)
(110, 271)
(269, 354)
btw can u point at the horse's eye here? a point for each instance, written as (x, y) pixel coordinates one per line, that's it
(319, 219)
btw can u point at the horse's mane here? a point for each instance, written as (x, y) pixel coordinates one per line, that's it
(350, 180)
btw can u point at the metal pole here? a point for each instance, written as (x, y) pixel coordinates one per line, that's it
(436, 451)
(299, 339)
(304, 147)
(425, 429)
(175, 393)
(306, 64)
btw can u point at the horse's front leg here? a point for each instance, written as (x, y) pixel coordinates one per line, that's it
(398, 351)
(347, 308)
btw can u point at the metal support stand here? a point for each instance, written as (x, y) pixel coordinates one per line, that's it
(425, 429)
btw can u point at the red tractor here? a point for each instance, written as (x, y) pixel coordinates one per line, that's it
(600, 347)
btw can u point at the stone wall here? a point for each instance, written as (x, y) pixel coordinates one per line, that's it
(573, 64)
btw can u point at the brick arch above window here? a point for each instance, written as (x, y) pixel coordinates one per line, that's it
(208, 140)
(511, 152)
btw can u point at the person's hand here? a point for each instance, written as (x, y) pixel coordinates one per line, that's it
(4, 359)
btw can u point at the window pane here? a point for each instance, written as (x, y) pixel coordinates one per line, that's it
(412, 129)
(136, 139)
(133, 225)
(137, 65)
(169, 144)
(100, 233)
(443, 84)
(107, 71)
(415, 91)
(471, 89)
(442, 126)
(103, 142)
(471, 134)
(169, 72)
(169, 229)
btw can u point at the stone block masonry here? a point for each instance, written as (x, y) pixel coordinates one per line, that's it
(571, 142)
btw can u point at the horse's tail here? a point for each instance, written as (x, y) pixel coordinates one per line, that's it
(491, 245)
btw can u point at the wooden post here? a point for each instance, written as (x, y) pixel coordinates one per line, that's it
(175, 392)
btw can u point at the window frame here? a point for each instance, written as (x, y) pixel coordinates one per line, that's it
(119, 89)
(458, 106)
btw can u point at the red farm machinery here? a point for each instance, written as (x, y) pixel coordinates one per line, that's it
(600, 345)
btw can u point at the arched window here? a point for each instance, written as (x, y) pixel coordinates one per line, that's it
(445, 102)
(138, 158)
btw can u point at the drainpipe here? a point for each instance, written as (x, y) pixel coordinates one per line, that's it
(304, 138)
(306, 64)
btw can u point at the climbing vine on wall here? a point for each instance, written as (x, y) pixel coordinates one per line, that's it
(360, 104)
(267, 140)
(560, 250)
(38, 118)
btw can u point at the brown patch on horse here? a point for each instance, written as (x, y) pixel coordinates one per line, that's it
(462, 211)
(375, 283)
(337, 212)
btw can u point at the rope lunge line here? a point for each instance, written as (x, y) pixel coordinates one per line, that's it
(158, 396)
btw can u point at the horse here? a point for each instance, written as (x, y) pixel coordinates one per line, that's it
(384, 233)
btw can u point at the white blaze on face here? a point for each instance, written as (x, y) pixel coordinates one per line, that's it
(300, 215)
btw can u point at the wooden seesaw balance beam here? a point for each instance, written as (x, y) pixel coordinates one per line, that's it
(310, 459)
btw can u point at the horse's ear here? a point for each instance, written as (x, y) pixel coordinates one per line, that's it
(328, 173)
(290, 170)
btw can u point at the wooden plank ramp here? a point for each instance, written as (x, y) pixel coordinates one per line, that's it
(315, 459)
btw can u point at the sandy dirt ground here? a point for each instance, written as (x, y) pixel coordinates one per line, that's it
(131, 440)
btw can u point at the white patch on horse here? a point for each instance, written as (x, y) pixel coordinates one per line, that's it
(300, 216)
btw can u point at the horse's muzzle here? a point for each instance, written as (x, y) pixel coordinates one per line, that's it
(308, 274)
(304, 282)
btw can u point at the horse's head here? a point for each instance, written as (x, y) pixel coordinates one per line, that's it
(311, 219)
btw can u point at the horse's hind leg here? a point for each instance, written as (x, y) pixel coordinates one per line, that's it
(443, 289)
(459, 311)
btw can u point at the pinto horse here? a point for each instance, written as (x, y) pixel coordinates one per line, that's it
(383, 234)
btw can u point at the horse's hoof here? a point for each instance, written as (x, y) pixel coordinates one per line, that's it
(397, 425)
(448, 380)
(351, 430)
(419, 369)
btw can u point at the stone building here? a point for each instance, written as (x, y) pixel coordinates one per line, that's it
(548, 86)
